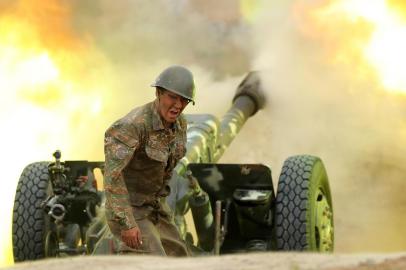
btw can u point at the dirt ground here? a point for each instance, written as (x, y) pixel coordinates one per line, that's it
(249, 261)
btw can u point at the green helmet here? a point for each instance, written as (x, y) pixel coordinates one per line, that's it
(178, 80)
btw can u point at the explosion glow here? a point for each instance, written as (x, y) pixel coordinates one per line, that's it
(43, 93)
(383, 48)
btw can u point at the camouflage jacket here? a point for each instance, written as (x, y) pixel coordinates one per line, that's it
(140, 154)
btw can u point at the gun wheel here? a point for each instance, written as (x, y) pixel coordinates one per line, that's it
(304, 211)
(30, 222)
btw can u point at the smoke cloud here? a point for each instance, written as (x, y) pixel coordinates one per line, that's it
(324, 108)
(315, 105)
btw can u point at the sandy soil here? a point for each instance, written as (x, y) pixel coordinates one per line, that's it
(251, 261)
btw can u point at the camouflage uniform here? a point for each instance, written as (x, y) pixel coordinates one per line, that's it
(140, 156)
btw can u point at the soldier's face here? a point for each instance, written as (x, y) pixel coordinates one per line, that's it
(171, 105)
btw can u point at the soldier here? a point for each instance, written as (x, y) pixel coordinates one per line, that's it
(141, 150)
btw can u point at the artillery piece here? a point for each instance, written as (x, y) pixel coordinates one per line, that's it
(234, 206)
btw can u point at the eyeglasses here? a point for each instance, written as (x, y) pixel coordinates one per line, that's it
(175, 97)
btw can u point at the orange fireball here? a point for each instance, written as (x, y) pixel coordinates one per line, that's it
(46, 85)
(369, 36)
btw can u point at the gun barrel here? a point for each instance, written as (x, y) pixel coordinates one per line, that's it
(208, 138)
(248, 99)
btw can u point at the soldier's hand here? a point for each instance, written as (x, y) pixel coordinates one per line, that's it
(132, 237)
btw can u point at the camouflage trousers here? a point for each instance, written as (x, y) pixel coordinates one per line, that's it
(158, 231)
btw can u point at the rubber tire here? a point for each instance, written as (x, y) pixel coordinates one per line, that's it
(30, 222)
(300, 180)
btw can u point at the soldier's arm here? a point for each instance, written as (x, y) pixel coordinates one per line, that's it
(120, 143)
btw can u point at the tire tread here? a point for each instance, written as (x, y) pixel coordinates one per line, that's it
(28, 216)
(292, 203)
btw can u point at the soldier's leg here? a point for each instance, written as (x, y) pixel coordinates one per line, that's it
(170, 238)
(151, 242)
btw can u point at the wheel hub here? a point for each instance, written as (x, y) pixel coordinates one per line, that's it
(324, 223)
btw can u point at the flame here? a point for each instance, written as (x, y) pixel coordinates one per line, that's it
(46, 85)
(367, 35)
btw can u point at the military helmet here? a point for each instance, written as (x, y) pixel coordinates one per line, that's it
(178, 80)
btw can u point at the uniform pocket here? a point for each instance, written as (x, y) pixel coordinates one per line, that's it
(127, 140)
